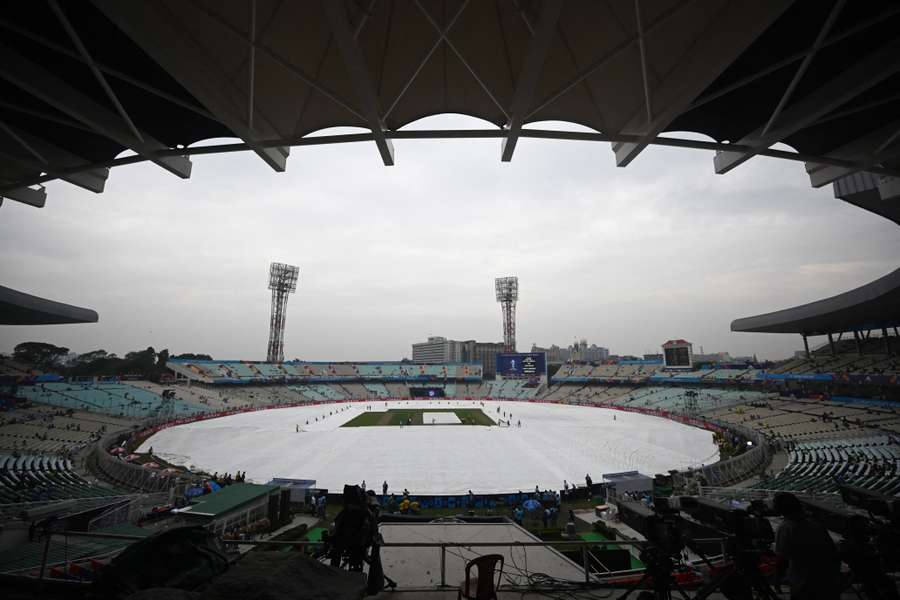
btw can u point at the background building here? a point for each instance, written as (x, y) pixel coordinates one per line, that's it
(437, 350)
(579, 351)
(441, 350)
(484, 353)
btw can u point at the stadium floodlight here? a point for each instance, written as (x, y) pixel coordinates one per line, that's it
(283, 282)
(507, 289)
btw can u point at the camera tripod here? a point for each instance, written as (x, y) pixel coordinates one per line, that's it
(659, 568)
(742, 580)
(377, 580)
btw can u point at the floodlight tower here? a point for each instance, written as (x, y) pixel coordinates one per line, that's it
(282, 282)
(507, 293)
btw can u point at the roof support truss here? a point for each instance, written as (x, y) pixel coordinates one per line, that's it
(839, 90)
(464, 62)
(533, 64)
(804, 65)
(590, 69)
(26, 195)
(359, 74)
(710, 54)
(49, 158)
(176, 51)
(442, 36)
(856, 151)
(40, 83)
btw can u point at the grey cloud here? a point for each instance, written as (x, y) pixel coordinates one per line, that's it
(625, 257)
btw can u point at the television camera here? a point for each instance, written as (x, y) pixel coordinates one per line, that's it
(355, 540)
(870, 544)
(661, 525)
(747, 535)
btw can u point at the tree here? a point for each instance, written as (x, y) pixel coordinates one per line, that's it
(39, 353)
(93, 355)
(192, 356)
(140, 361)
(161, 359)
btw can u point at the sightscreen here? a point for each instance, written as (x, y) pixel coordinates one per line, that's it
(527, 364)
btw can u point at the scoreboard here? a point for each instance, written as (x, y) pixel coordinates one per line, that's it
(677, 357)
(525, 364)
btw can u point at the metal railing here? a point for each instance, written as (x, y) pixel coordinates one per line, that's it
(590, 576)
(127, 474)
(737, 468)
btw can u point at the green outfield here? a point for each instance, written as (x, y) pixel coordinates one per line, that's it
(415, 416)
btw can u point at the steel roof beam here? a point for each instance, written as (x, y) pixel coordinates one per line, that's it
(89, 61)
(27, 195)
(532, 66)
(173, 48)
(49, 157)
(107, 70)
(464, 62)
(45, 86)
(859, 151)
(804, 65)
(442, 36)
(839, 90)
(738, 25)
(359, 75)
(839, 37)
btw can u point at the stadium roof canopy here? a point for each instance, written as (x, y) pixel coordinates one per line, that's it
(872, 306)
(93, 85)
(19, 308)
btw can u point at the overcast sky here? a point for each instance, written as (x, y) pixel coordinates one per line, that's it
(626, 258)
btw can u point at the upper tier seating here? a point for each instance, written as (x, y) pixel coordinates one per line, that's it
(109, 398)
(209, 371)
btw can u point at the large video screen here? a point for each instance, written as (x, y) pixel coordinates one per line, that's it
(527, 364)
(677, 357)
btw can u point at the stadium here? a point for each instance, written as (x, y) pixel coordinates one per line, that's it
(586, 476)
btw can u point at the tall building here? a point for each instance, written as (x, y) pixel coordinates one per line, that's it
(441, 350)
(484, 353)
(437, 350)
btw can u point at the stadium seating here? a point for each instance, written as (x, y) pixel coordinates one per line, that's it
(46, 429)
(869, 462)
(38, 478)
(377, 389)
(211, 371)
(109, 398)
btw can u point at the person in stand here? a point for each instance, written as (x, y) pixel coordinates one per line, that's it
(518, 515)
(806, 553)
